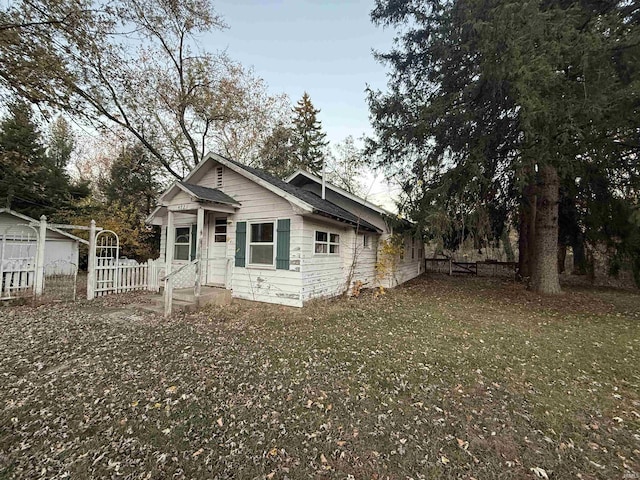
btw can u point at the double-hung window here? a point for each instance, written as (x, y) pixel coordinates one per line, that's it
(327, 243)
(261, 243)
(182, 244)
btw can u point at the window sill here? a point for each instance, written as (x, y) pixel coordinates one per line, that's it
(260, 267)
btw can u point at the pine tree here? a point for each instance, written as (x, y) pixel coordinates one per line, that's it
(500, 103)
(309, 141)
(277, 155)
(21, 160)
(61, 143)
(32, 182)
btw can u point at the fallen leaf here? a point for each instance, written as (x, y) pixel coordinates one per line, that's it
(199, 452)
(540, 472)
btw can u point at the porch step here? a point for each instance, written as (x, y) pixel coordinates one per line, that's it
(184, 300)
(157, 306)
(208, 295)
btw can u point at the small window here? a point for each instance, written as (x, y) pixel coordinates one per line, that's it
(220, 230)
(327, 243)
(261, 245)
(182, 245)
(366, 242)
(219, 171)
(413, 249)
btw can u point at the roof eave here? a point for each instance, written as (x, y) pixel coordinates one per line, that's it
(357, 225)
(340, 191)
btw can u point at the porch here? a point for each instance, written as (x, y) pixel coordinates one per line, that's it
(194, 222)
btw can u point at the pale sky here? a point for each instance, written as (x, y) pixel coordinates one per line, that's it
(323, 47)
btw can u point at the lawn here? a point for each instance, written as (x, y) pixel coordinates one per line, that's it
(442, 378)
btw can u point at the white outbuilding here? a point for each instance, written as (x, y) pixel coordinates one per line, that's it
(18, 241)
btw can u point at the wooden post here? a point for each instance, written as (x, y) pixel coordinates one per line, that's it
(91, 262)
(199, 237)
(450, 267)
(168, 260)
(42, 239)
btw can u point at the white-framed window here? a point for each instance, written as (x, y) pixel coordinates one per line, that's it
(220, 230)
(327, 243)
(366, 241)
(262, 247)
(182, 244)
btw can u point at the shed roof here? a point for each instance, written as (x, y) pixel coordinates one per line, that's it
(33, 221)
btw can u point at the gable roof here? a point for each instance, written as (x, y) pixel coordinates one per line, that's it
(208, 194)
(303, 198)
(294, 179)
(199, 192)
(30, 220)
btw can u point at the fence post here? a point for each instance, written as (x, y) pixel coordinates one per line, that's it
(91, 262)
(42, 239)
(450, 267)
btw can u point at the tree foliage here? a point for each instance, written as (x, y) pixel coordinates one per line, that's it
(484, 95)
(33, 179)
(309, 141)
(135, 65)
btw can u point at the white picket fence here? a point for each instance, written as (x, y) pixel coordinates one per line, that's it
(111, 278)
(17, 277)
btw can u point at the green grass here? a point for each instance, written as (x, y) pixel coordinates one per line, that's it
(443, 378)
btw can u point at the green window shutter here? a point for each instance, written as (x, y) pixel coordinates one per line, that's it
(284, 242)
(194, 240)
(241, 243)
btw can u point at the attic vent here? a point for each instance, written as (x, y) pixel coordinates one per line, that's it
(219, 177)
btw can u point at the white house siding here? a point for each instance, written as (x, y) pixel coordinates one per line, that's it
(259, 204)
(405, 268)
(360, 261)
(323, 274)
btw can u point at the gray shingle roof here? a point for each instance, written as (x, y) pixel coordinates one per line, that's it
(320, 206)
(209, 194)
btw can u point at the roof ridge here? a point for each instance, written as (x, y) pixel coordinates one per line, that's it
(305, 195)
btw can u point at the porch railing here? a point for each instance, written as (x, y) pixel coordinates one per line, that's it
(168, 285)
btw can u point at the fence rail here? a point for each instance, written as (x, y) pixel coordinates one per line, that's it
(111, 278)
(16, 279)
(480, 268)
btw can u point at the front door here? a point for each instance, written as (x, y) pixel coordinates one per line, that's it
(217, 251)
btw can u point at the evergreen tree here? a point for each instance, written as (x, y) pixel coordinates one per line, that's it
(132, 180)
(309, 141)
(61, 143)
(32, 182)
(498, 103)
(277, 155)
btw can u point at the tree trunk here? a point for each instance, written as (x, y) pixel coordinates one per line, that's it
(562, 257)
(526, 233)
(544, 271)
(579, 257)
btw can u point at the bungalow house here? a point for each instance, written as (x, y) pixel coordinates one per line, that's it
(270, 240)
